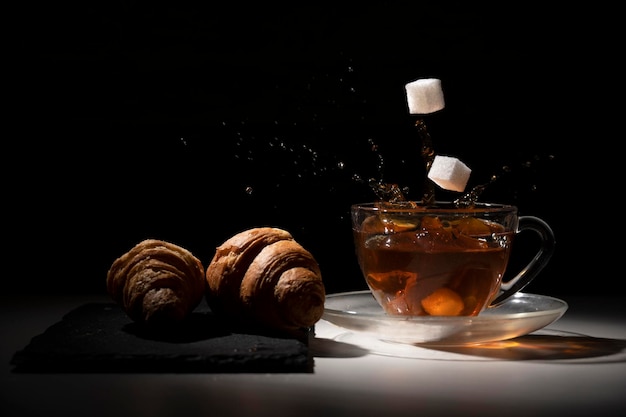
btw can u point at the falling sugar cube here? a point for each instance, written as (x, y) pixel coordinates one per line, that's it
(424, 96)
(449, 173)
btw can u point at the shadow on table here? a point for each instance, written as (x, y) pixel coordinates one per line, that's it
(551, 347)
(326, 348)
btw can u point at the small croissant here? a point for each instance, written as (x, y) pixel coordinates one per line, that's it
(157, 282)
(262, 275)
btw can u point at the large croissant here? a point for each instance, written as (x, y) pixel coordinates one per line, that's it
(263, 275)
(157, 282)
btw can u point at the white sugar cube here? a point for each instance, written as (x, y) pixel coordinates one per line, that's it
(449, 173)
(424, 96)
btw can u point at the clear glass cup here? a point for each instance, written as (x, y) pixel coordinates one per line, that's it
(440, 259)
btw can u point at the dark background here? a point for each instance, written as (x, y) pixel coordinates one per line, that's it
(191, 124)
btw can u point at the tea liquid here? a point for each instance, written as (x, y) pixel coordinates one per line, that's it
(434, 267)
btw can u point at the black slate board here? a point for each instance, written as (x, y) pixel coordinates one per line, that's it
(99, 337)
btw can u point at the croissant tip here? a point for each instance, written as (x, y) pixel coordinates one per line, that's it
(156, 282)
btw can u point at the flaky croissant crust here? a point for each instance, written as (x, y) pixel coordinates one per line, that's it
(156, 282)
(264, 275)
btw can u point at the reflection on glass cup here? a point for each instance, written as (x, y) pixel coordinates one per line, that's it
(443, 260)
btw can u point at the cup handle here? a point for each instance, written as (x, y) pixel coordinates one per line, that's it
(528, 273)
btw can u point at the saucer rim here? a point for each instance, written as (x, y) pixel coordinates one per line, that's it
(486, 314)
(490, 325)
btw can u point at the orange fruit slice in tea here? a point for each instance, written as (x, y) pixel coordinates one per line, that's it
(477, 227)
(372, 224)
(384, 224)
(430, 222)
(443, 302)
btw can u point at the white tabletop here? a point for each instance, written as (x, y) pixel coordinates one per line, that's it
(578, 368)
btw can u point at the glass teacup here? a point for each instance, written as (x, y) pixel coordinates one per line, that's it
(440, 259)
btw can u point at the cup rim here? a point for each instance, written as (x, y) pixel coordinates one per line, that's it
(439, 206)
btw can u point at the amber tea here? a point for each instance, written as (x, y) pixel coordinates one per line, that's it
(441, 259)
